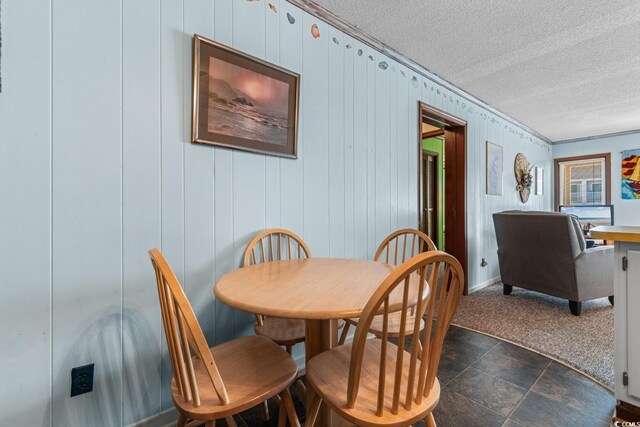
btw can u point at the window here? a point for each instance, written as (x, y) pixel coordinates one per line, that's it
(576, 193)
(594, 191)
(583, 180)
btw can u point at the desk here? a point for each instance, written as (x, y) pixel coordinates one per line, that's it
(319, 290)
(626, 317)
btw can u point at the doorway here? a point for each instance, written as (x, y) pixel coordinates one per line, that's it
(435, 123)
(432, 197)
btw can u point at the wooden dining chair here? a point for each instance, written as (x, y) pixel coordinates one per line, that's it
(375, 382)
(274, 245)
(218, 382)
(277, 244)
(395, 249)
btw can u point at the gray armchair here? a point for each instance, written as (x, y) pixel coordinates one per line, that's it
(547, 252)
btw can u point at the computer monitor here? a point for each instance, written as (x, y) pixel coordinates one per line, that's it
(591, 216)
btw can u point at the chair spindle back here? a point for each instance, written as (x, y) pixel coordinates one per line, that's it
(275, 244)
(402, 245)
(184, 335)
(414, 373)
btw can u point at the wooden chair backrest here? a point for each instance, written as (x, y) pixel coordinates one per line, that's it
(402, 245)
(445, 279)
(184, 335)
(275, 244)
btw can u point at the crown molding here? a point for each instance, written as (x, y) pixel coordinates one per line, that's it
(588, 138)
(349, 29)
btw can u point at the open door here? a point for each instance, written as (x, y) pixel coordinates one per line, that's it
(455, 152)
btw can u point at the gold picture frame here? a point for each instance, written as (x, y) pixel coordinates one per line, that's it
(243, 102)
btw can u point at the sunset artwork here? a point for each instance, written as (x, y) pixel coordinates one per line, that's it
(243, 102)
(631, 174)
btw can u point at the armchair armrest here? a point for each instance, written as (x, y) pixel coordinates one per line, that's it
(594, 273)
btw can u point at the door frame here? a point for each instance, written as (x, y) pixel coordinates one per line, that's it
(455, 177)
(437, 159)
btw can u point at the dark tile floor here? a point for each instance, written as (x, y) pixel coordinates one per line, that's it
(488, 382)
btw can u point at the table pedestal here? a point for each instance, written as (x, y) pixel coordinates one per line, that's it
(321, 335)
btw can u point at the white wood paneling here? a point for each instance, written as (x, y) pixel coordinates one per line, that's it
(348, 141)
(172, 44)
(291, 171)
(395, 145)
(381, 148)
(405, 147)
(223, 190)
(25, 217)
(314, 106)
(360, 138)
(249, 193)
(141, 326)
(198, 185)
(336, 114)
(370, 142)
(86, 210)
(272, 165)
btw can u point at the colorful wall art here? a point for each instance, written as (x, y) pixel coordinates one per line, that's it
(631, 174)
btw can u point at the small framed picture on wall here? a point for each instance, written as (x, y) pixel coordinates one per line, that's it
(539, 181)
(494, 169)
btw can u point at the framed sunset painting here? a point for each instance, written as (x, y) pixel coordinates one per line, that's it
(243, 102)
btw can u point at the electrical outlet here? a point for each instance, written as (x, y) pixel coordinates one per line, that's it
(81, 379)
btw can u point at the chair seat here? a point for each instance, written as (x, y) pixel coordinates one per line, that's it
(393, 327)
(282, 331)
(253, 369)
(328, 373)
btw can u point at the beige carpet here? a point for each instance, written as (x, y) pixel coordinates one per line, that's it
(544, 324)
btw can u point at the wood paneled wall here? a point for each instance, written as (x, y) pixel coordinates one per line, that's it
(96, 167)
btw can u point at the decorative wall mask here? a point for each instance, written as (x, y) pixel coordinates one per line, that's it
(522, 170)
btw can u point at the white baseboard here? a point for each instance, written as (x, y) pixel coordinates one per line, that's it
(166, 418)
(483, 285)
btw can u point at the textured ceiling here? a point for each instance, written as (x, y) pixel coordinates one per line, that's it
(567, 69)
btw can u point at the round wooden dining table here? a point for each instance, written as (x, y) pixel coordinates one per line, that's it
(319, 290)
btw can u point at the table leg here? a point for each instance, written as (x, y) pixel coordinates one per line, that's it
(321, 335)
